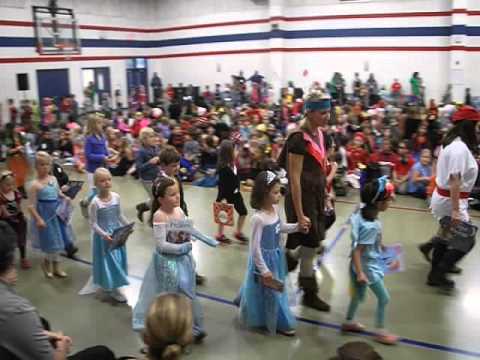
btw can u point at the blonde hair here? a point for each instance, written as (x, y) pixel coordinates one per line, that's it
(100, 172)
(146, 131)
(168, 326)
(92, 124)
(42, 156)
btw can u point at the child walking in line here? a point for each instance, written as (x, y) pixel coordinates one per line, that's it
(147, 166)
(11, 212)
(47, 234)
(96, 155)
(261, 304)
(366, 268)
(105, 215)
(229, 189)
(169, 161)
(172, 268)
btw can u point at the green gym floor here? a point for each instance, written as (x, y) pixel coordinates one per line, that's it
(432, 325)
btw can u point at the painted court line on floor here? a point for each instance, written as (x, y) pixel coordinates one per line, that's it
(323, 324)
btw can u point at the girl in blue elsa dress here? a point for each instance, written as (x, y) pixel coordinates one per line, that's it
(105, 215)
(172, 268)
(46, 229)
(261, 304)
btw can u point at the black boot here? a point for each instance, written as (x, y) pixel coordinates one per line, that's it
(437, 276)
(141, 208)
(292, 263)
(310, 297)
(71, 250)
(199, 279)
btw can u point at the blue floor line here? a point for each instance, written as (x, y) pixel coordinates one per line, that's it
(323, 324)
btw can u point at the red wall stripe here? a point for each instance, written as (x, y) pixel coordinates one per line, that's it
(259, 21)
(234, 52)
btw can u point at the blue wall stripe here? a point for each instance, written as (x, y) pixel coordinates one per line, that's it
(283, 34)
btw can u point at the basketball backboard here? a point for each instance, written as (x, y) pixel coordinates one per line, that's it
(56, 31)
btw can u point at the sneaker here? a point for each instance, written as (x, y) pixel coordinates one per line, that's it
(25, 264)
(240, 237)
(118, 296)
(223, 239)
(352, 327)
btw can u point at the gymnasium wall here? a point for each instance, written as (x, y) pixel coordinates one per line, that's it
(205, 41)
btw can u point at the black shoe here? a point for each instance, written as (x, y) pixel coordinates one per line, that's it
(141, 208)
(426, 249)
(438, 280)
(71, 251)
(199, 279)
(455, 270)
(198, 339)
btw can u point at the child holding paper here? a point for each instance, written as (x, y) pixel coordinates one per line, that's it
(263, 303)
(172, 268)
(105, 215)
(367, 267)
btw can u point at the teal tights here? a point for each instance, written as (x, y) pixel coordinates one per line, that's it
(359, 292)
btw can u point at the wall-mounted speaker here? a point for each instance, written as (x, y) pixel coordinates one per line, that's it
(22, 82)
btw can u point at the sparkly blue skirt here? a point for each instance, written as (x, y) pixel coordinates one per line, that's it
(261, 307)
(168, 274)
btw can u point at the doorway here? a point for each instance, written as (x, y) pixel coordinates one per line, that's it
(53, 83)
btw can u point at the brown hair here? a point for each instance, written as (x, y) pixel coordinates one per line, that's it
(225, 154)
(169, 155)
(261, 189)
(159, 188)
(168, 326)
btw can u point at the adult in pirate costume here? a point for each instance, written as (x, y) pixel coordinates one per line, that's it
(304, 157)
(457, 171)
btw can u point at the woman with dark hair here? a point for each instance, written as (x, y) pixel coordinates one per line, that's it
(457, 172)
(305, 159)
(22, 332)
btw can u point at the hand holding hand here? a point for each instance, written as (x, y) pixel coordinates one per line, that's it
(305, 229)
(304, 221)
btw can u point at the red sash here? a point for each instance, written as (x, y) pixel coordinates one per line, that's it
(316, 150)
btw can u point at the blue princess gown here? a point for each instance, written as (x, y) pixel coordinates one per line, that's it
(52, 238)
(172, 269)
(262, 307)
(109, 267)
